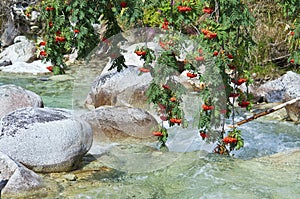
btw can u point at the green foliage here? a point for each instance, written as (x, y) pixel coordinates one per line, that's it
(291, 8)
(222, 31)
(235, 133)
(276, 36)
(118, 63)
(69, 27)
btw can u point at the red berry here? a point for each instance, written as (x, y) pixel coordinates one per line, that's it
(60, 39)
(42, 43)
(50, 68)
(230, 56)
(228, 140)
(239, 81)
(140, 53)
(207, 108)
(163, 118)
(165, 86)
(123, 4)
(184, 8)
(203, 134)
(144, 70)
(165, 24)
(191, 75)
(234, 95)
(232, 67)
(199, 58)
(43, 53)
(207, 10)
(157, 133)
(244, 104)
(212, 35)
(49, 8)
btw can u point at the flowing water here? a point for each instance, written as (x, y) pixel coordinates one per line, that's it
(187, 171)
(53, 93)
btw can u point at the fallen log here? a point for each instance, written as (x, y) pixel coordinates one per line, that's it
(268, 111)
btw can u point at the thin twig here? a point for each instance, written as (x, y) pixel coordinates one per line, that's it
(277, 58)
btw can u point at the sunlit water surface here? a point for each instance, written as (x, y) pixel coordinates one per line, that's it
(188, 171)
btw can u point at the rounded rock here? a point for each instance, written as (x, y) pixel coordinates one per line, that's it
(45, 139)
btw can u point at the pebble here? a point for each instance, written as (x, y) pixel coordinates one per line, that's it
(70, 177)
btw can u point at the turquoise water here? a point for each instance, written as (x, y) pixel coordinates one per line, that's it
(54, 93)
(189, 170)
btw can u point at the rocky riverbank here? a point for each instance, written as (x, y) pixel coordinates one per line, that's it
(55, 140)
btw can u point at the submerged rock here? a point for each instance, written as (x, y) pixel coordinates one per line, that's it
(289, 157)
(16, 178)
(119, 88)
(44, 139)
(121, 123)
(14, 97)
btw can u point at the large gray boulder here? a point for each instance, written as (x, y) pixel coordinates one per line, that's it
(13, 97)
(282, 89)
(45, 139)
(16, 178)
(121, 124)
(21, 51)
(127, 88)
(278, 89)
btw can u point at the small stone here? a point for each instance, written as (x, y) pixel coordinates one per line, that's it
(44, 78)
(5, 63)
(70, 177)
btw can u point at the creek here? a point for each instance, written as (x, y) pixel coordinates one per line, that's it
(267, 167)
